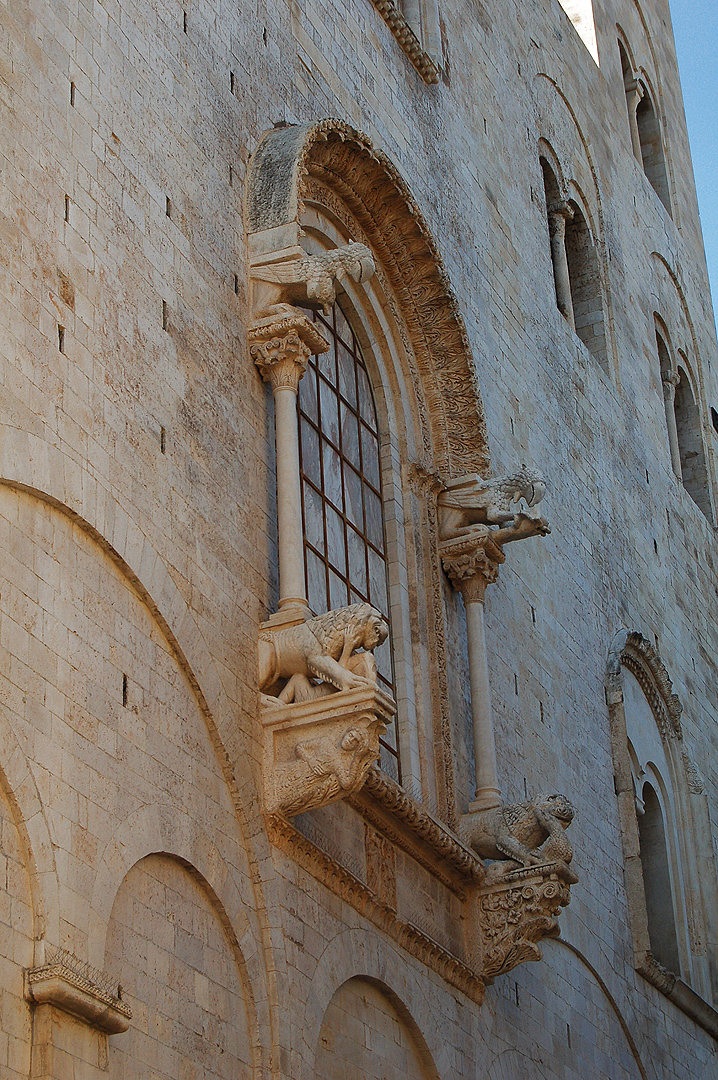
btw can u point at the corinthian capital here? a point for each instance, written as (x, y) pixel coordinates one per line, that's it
(281, 347)
(471, 563)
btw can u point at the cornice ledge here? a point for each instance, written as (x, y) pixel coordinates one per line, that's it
(394, 18)
(680, 993)
(349, 888)
(59, 984)
(421, 831)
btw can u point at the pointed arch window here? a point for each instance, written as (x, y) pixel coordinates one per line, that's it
(342, 504)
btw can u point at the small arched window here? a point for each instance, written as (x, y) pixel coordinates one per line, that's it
(652, 157)
(344, 544)
(690, 443)
(657, 882)
(645, 128)
(585, 280)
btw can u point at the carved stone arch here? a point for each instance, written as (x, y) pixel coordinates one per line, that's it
(18, 784)
(372, 188)
(634, 652)
(546, 150)
(691, 853)
(163, 830)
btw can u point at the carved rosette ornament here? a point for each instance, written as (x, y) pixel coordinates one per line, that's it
(517, 913)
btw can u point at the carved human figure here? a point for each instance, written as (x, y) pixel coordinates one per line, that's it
(321, 655)
(469, 500)
(325, 769)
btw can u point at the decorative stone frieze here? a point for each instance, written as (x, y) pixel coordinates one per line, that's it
(322, 710)
(516, 913)
(80, 990)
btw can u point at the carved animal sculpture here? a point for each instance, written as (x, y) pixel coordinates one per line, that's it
(528, 833)
(313, 278)
(469, 500)
(322, 649)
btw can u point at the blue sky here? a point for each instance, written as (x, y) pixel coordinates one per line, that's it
(695, 27)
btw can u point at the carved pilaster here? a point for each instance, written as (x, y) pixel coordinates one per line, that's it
(518, 912)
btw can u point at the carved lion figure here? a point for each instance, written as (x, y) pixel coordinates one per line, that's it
(323, 649)
(469, 500)
(528, 833)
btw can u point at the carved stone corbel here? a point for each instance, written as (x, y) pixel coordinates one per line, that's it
(515, 914)
(322, 710)
(80, 990)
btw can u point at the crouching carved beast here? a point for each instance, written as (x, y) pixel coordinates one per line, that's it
(316, 657)
(523, 834)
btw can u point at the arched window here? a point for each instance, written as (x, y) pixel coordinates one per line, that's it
(652, 157)
(670, 872)
(645, 128)
(585, 285)
(690, 443)
(575, 267)
(657, 882)
(344, 543)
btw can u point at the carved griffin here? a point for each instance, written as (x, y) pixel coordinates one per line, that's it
(312, 279)
(321, 655)
(527, 834)
(469, 501)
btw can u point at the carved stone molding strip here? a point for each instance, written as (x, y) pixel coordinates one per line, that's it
(427, 483)
(383, 801)
(374, 192)
(393, 16)
(80, 990)
(348, 888)
(679, 993)
(639, 656)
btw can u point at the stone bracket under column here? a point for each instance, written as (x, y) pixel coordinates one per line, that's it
(77, 989)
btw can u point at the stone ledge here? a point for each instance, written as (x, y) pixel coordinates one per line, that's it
(58, 984)
(412, 827)
(680, 993)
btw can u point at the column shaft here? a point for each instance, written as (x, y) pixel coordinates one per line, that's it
(557, 231)
(292, 589)
(488, 793)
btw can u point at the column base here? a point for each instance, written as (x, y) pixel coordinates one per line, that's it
(486, 799)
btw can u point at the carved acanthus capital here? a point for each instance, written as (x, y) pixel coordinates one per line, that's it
(281, 347)
(559, 212)
(670, 380)
(472, 562)
(294, 277)
(320, 750)
(517, 912)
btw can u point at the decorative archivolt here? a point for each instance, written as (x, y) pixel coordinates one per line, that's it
(368, 183)
(634, 652)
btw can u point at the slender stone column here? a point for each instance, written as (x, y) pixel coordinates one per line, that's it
(558, 214)
(670, 381)
(281, 350)
(634, 93)
(470, 570)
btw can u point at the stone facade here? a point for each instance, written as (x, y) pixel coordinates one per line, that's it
(202, 872)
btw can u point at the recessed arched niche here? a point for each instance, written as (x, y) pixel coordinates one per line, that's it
(169, 947)
(367, 1032)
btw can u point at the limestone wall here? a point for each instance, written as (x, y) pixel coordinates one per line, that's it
(138, 536)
